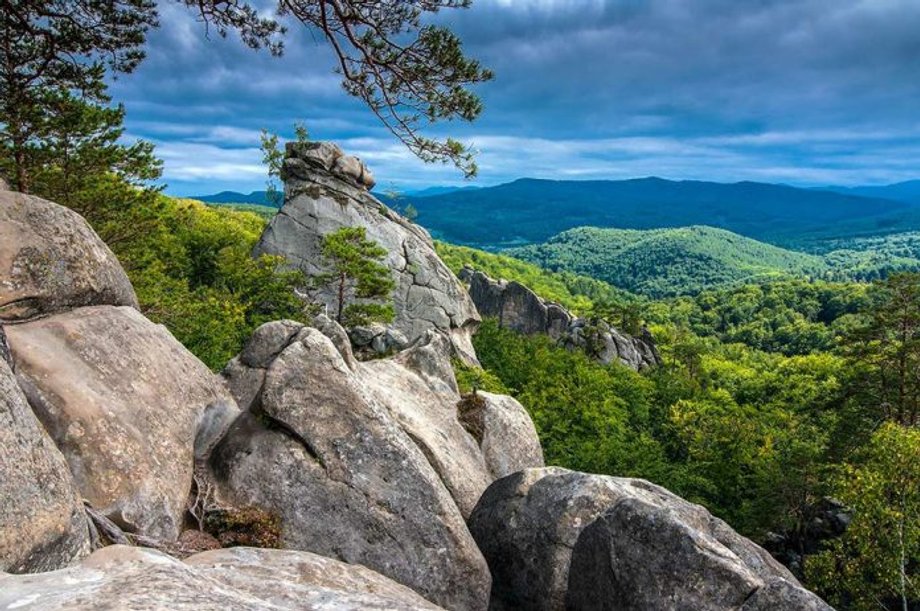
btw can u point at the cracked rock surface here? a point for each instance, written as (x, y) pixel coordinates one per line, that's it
(320, 199)
(52, 261)
(558, 539)
(247, 579)
(518, 308)
(364, 462)
(42, 525)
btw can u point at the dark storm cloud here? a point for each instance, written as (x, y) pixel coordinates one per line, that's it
(805, 91)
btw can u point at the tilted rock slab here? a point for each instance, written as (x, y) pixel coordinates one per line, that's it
(320, 199)
(246, 579)
(337, 446)
(558, 539)
(356, 464)
(42, 523)
(52, 261)
(518, 308)
(129, 407)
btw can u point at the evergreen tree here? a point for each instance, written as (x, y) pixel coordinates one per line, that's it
(356, 273)
(56, 51)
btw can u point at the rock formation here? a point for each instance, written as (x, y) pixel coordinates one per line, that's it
(380, 463)
(558, 539)
(42, 525)
(127, 404)
(365, 461)
(245, 579)
(518, 308)
(322, 197)
(52, 261)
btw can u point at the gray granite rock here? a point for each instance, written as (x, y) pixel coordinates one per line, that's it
(517, 307)
(319, 201)
(246, 579)
(52, 261)
(558, 539)
(42, 523)
(130, 408)
(363, 464)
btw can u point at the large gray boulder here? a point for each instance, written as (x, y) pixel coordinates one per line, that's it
(557, 539)
(518, 308)
(504, 431)
(121, 577)
(357, 467)
(42, 523)
(321, 198)
(52, 261)
(130, 408)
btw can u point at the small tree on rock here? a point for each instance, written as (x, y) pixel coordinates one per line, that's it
(356, 273)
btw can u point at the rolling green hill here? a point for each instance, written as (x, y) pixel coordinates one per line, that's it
(667, 262)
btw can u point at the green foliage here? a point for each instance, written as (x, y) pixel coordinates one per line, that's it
(471, 379)
(52, 69)
(192, 271)
(356, 273)
(876, 565)
(667, 262)
(885, 350)
(789, 316)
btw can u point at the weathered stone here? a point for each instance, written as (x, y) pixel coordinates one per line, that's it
(267, 341)
(782, 594)
(516, 307)
(506, 434)
(318, 202)
(4, 186)
(42, 524)
(130, 408)
(649, 545)
(418, 389)
(331, 452)
(240, 578)
(52, 261)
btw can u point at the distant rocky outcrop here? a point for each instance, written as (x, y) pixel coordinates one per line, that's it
(557, 539)
(325, 190)
(52, 261)
(518, 308)
(242, 579)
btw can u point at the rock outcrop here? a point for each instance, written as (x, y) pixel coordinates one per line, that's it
(128, 406)
(365, 462)
(518, 308)
(243, 579)
(52, 261)
(322, 196)
(557, 539)
(42, 524)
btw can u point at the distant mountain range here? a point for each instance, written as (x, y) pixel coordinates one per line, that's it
(908, 191)
(260, 198)
(529, 211)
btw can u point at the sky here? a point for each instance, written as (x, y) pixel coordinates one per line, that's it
(804, 92)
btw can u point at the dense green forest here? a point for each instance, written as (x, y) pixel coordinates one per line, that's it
(768, 400)
(687, 260)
